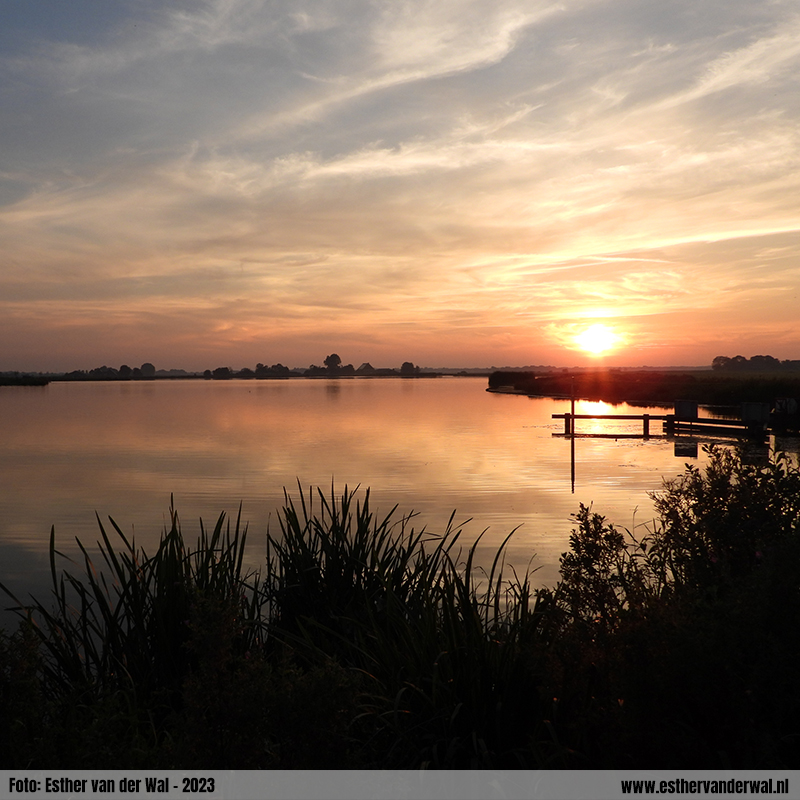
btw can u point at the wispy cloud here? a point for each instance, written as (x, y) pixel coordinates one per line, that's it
(477, 174)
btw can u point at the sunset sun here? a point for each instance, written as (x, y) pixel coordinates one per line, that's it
(597, 339)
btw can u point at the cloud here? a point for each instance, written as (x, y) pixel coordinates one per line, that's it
(765, 59)
(462, 169)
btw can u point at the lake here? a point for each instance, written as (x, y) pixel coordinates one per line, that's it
(428, 445)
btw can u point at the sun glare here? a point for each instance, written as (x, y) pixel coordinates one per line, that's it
(597, 339)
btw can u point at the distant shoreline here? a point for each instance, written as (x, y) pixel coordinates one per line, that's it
(23, 380)
(37, 380)
(650, 387)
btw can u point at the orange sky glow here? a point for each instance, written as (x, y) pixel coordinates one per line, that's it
(464, 183)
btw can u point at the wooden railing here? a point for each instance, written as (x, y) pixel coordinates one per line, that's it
(672, 424)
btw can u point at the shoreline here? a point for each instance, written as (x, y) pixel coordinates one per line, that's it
(651, 387)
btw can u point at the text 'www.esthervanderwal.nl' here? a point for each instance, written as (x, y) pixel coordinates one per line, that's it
(706, 786)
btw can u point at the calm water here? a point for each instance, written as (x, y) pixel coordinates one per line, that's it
(432, 446)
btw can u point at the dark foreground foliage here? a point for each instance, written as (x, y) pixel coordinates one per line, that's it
(365, 643)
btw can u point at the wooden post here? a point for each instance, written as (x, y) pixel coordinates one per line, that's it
(572, 403)
(646, 426)
(569, 425)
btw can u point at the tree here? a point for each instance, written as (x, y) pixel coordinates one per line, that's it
(738, 363)
(409, 369)
(332, 362)
(103, 373)
(764, 363)
(148, 370)
(720, 362)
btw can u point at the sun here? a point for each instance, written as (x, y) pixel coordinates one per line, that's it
(597, 339)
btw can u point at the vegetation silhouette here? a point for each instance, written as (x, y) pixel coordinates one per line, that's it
(124, 373)
(754, 364)
(651, 386)
(22, 379)
(332, 363)
(333, 368)
(366, 643)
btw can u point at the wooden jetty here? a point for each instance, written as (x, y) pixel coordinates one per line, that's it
(569, 421)
(685, 420)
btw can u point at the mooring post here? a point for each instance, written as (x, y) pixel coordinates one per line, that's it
(572, 397)
(569, 421)
(646, 426)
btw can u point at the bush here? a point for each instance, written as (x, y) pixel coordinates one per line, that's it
(678, 650)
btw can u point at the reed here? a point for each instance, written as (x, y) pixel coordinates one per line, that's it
(124, 622)
(439, 640)
(432, 642)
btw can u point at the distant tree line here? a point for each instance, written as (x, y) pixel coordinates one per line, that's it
(104, 373)
(261, 371)
(332, 368)
(754, 364)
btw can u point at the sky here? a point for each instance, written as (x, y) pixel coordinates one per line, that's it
(448, 182)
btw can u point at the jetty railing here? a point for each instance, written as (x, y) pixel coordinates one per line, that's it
(673, 424)
(569, 420)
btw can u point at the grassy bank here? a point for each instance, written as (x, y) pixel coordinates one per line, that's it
(367, 643)
(651, 386)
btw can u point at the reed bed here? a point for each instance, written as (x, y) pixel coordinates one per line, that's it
(126, 620)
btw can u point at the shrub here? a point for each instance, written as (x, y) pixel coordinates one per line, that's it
(677, 650)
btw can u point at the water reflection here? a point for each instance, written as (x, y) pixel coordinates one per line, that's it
(122, 449)
(686, 449)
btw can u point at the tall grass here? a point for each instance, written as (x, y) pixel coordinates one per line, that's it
(439, 639)
(431, 644)
(125, 622)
